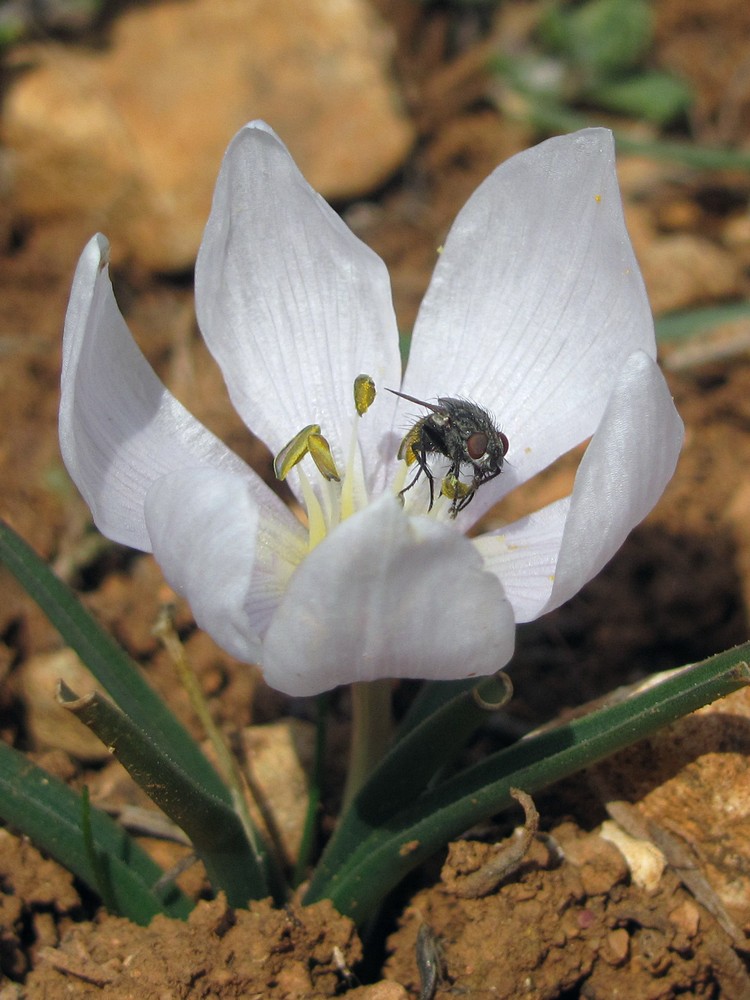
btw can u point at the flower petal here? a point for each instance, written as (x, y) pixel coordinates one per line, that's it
(535, 304)
(386, 595)
(624, 471)
(291, 304)
(217, 548)
(120, 429)
(524, 556)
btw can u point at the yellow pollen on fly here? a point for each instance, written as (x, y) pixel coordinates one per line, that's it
(452, 488)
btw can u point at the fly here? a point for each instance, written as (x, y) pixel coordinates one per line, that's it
(466, 435)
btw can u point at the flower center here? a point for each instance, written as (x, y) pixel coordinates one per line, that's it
(333, 497)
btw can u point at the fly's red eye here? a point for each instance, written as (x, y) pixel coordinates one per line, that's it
(476, 445)
(504, 442)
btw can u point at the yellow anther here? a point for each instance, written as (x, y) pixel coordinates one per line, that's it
(295, 451)
(364, 393)
(454, 489)
(320, 453)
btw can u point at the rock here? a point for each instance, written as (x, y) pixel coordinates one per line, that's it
(278, 756)
(683, 270)
(645, 861)
(384, 990)
(700, 770)
(130, 139)
(601, 866)
(49, 723)
(691, 783)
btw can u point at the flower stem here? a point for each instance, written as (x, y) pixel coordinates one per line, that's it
(372, 729)
(310, 830)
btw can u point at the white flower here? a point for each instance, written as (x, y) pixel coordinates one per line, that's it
(536, 311)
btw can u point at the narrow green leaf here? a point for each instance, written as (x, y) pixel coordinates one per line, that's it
(550, 116)
(432, 696)
(385, 855)
(98, 864)
(146, 711)
(214, 828)
(50, 814)
(428, 746)
(114, 670)
(692, 322)
(600, 37)
(655, 97)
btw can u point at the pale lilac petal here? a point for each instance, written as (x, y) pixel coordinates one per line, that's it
(624, 471)
(219, 549)
(535, 304)
(524, 556)
(120, 429)
(387, 595)
(292, 305)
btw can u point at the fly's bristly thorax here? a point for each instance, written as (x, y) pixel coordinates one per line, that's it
(464, 434)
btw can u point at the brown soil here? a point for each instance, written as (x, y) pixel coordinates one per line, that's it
(575, 921)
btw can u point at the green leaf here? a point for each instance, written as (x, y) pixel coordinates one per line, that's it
(147, 715)
(52, 816)
(656, 97)
(114, 670)
(692, 322)
(385, 854)
(432, 741)
(432, 696)
(100, 869)
(601, 38)
(214, 828)
(550, 116)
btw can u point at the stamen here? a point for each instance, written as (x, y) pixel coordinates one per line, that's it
(316, 519)
(294, 451)
(320, 453)
(354, 475)
(364, 393)
(327, 503)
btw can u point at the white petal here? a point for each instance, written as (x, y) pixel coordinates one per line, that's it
(535, 303)
(120, 429)
(543, 560)
(218, 549)
(386, 595)
(623, 473)
(291, 304)
(524, 556)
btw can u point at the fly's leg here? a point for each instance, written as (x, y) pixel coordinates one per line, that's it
(460, 503)
(420, 455)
